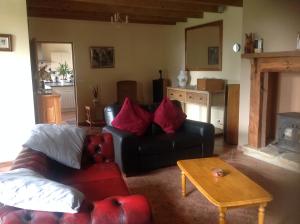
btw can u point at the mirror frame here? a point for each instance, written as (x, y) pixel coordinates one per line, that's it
(219, 24)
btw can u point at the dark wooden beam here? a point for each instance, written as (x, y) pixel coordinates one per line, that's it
(103, 8)
(154, 4)
(238, 3)
(63, 14)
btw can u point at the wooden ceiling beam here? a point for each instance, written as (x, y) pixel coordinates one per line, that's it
(238, 3)
(102, 8)
(154, 4)
(45, 13)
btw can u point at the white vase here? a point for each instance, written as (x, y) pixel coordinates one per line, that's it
(182, 78)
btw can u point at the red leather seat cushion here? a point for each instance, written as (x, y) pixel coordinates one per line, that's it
(168, 116)
(97, 181)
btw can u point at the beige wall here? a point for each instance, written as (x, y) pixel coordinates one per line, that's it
(232, 33)
(139, 54)
(289, 92)
(17, 110)
(277, 22)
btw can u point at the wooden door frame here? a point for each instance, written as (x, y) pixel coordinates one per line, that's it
(34, 69)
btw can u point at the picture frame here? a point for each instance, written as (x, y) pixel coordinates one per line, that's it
(102, 57)
(213, 55)
(5, 42)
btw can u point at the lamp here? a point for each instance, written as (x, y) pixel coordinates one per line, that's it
(116, 18)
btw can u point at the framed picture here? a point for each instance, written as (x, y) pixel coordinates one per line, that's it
(5, 42)
(102, 57)
(213, 55)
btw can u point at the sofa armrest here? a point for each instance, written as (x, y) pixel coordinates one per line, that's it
(98, 148)
(133, 209)
(205, 130)
(125, 148)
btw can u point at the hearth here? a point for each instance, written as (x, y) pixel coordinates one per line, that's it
(288, 131)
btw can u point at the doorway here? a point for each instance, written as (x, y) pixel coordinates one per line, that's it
(56, 76)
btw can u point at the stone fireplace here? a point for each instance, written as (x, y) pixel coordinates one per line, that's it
(265, 70)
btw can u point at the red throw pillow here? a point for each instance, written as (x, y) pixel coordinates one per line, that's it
(168, 116)
(132, 118)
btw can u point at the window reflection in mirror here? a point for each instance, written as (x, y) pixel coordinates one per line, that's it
(203, 47)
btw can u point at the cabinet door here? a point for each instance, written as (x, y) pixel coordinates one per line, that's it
(49, 109)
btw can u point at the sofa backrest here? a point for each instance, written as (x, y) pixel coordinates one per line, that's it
(111, 111)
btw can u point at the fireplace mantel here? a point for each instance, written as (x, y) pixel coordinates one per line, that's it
(265, 68)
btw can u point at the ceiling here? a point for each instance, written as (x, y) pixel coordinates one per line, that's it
(139, 11)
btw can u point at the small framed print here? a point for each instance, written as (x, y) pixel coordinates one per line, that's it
(5, 42)
(102, 57)
(213, 55)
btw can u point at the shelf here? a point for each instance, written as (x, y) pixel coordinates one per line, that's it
(272, 54)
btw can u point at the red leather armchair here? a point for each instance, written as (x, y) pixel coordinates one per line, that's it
(107, 196)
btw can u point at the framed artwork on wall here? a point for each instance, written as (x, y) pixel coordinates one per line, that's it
(102, 57)
(213, 55)
(5, 42)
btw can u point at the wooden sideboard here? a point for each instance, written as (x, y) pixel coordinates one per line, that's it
(193, 96)
(49, 108)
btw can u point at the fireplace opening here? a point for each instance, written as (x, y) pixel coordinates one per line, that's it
(288, 132)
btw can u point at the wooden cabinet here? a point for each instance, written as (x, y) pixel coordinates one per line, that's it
(192, 96)
(49, 109)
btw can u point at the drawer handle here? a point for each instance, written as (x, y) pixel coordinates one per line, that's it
(180, 95)
(190, 97)
(171, 94)
(201, 98)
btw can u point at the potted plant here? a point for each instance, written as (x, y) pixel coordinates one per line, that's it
(63, 70)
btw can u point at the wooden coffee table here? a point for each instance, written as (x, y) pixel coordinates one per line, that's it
(230, 191)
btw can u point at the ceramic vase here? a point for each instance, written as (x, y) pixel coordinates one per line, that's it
(182, 78)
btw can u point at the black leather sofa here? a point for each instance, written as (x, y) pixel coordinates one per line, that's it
(155, 149)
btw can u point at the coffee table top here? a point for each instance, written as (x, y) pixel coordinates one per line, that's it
(233, 189)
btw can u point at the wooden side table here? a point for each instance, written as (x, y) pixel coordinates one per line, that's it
(94, 116)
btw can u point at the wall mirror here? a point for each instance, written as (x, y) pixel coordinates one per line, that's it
(203, 47)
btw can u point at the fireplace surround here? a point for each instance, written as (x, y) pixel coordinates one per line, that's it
(265, 69)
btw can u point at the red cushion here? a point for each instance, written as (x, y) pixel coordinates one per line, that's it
(168, 116)
(132, 118)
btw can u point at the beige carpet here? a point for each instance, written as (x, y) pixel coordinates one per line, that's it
(163, 189)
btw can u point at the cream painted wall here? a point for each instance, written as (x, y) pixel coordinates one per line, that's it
(232, 33)
(139, 54)
(17, 110)
(277, 22)
(289, 93)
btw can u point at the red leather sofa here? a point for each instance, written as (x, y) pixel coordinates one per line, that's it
(108, 200)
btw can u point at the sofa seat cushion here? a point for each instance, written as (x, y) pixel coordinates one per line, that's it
(94, 172)
(150, 145)
(101, 189)
(97, 181)
(184, 140)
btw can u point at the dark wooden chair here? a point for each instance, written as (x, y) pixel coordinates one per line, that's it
(126, 88)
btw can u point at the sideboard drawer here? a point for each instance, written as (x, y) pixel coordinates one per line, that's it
(175, 94)
(197, 98)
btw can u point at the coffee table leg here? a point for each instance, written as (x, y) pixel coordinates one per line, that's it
(183, 184)
(261, 213)
(222, 215)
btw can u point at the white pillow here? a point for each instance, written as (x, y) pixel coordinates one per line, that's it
(24, 188)
(62, 143)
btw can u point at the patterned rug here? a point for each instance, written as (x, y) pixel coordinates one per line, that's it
(163, 190)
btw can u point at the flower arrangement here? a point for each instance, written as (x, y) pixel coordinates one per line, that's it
(95, 91)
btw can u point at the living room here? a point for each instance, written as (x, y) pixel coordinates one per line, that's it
(140, 51)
